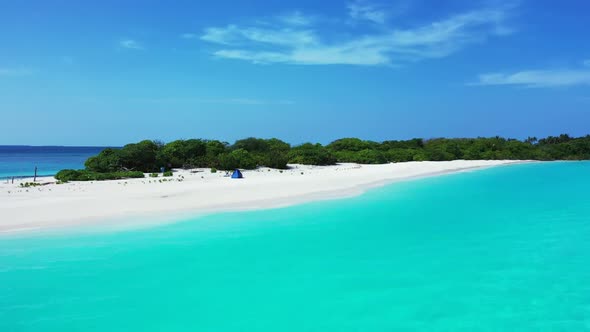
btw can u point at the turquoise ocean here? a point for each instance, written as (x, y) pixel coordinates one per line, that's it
(500, 249)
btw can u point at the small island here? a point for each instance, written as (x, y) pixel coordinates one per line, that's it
(133, 160)
(149, 181)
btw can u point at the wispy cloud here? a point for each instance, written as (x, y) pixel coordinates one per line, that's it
(308, 45)
(361, 10)
(538, 78)
(295, 19)
(131, 44)
(16, 72)
(234, 35)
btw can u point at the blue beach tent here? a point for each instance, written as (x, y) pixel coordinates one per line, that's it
(237, 174)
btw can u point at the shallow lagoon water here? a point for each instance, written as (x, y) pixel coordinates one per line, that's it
(501, 249)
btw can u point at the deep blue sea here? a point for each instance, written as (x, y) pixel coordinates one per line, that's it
(500, 249)
(21, 160)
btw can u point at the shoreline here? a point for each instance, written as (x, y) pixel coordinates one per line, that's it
(138, 203)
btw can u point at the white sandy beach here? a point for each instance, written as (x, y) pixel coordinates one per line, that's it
(189, 193)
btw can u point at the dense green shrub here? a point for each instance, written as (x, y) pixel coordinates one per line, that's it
(213, 149)
(252, 144)
(311, 154)
(365, 156)
(140, 156)
(85, 175)
(182, 153)
(272, 152)
(400, 155)
(415, 143)
(239, 158)
(167, 174)
(150, 156)
(154, 175)
(108, 160)
(213, 170)
(352, 144)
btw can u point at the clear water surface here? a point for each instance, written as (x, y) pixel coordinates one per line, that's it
(502, 249)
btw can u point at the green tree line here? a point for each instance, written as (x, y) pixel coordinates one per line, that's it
(151, 156)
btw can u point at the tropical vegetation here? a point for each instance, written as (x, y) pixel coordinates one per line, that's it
(147, 156)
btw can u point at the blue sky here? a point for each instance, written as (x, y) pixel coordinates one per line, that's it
(111, 72)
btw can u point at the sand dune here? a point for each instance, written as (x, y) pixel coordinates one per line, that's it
(142, 201)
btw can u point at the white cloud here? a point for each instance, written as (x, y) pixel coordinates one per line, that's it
(16, 72)
(305, 45)
(131, 44)
(538, 78)
(234, 35)
(295, 19)
(360, 10)
(255, 57)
